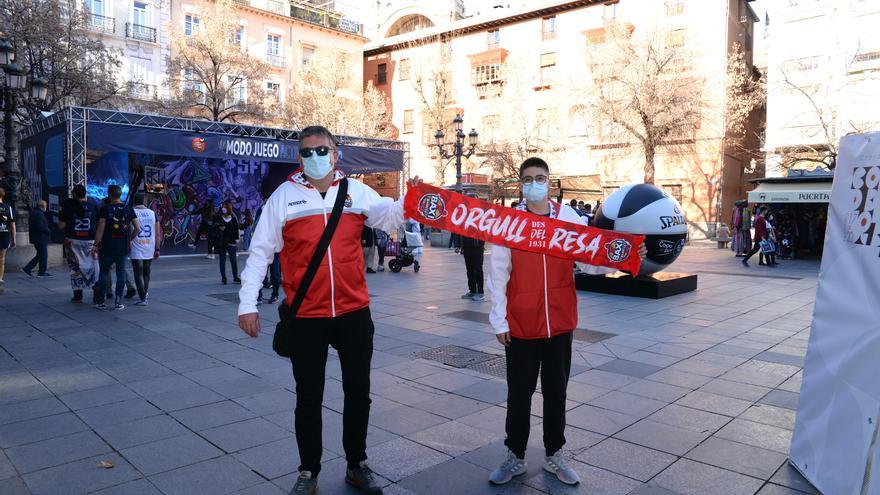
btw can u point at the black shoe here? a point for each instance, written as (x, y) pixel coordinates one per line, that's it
(109, 296)
(236, 280)
(45, 274)
(27, 272)
(370, 270)
(745, 263)
(363, 479)
(224, 280)
(131, 293)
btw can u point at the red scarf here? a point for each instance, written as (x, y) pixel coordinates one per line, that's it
(477, 219)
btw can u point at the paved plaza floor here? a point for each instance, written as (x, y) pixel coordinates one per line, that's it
(693, 394)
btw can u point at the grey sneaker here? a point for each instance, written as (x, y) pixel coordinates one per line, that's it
(363, 479)
(305, 484)
(512, 466)
(468, 295)
(478, 297)
(558, 465)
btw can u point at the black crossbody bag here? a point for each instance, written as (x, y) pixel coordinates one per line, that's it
(281, 342)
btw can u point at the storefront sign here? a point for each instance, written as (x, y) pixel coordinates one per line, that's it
(764, 196)
(477, 219)
(836, 442)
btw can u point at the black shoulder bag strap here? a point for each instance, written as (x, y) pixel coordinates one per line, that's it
(281, 342)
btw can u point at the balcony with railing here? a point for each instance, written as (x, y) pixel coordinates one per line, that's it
(140, 32)
(142, 91)
(326, 18)
(101, 23)
(278, 7)
(275, 60)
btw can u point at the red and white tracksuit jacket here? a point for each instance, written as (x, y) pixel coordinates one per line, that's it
(291, 224)
(533, 295)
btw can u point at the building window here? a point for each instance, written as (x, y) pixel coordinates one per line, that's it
(191, 25)
(237, 94)
(191, 83)
(595, 39)
(273, 91)
(548, 68)
(673, 190)
(673, 7)
(273, 44)
(403, 69)
(239, 37)
(407, 121)
(494, 39)
(489, 128)
(140, 17)
(548, 28)
(95, 6)
(308, 52)
(486, 73)
(675, 38)
(382, 74)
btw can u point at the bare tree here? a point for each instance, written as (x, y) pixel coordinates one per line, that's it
(331, 93)
(209, 74)
(638, 85)
(746, 93)
(52, 41)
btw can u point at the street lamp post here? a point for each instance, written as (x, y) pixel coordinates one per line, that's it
(15, 82)
(458, 146)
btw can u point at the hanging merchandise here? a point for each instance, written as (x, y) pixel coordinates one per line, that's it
(741, 222)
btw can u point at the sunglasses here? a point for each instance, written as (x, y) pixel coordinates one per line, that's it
(320, 150)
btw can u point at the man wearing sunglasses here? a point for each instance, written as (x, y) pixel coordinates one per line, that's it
(336, 309)
(534, 313)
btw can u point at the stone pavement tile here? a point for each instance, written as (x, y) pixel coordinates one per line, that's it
(219, 374)
(752, 374)
(56, 451)
(651, 489)
(81, 477)
(170, 453)
(599, 420)
(38, 429)
(694, 478)
(400, 458)
(736, 390)
(583, 392)
(413, 369)
(489, 391)
(781, 358)
(119, 412)
(627, 459)
(789, 477)
(7, 470)
(677, 350)
(654, 390)
(244, 434)
(136, 487)
(603, 379)
(632, 405)
(451, 406)
(594, 481)
(770, 415)
(448, 381)
(405, 420)
(679, 378)
(66, 379)
(793, 384)
(220, 475)
(756, 434)
(21, 392)
(737, 457)
(630, 368)
(734, 350)
(212, 415)
(781, 398)
(185, 398)
(14, 486)
(132, 373)
(274, 459)
(690, 419)
(32, 409)
(771, 489)
(713, 403)
(652, 358)
(662, 437)
(701, 367)
(453, 438)
(455, 476)
(156, 386)
(97, 396)
(141, 431)
(266, 488)
(268, 402)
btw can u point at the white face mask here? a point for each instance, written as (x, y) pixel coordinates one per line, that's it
(535, 192)
(316, 166)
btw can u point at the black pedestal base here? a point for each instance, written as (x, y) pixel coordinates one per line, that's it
(654, 286)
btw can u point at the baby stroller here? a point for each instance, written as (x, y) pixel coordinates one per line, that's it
(404, 252)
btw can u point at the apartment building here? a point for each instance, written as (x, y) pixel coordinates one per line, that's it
(514, 73)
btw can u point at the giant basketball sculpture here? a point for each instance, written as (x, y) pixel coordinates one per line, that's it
(647, 210)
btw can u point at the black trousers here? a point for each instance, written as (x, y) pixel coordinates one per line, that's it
(141, 270)
(41, 258)
(771, 257)
(473, 262)
(351, 335)
(526, 359)
(229, 251)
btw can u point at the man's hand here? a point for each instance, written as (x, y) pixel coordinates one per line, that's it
(250, 323)
(415, 181)
(504, 338)
(156, 255)
(643, 251)
(12, 244)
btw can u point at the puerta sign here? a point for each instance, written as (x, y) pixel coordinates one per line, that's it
(807, 196)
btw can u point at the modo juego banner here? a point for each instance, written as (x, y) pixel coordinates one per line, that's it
(835, 442)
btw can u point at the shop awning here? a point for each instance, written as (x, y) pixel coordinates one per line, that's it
(788, 192)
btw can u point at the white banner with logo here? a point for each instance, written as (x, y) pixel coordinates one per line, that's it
(835, 443)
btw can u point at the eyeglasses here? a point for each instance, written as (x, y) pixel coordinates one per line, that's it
(540, 179)
(320, 150)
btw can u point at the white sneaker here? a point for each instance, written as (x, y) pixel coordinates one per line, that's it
(558, 465)
(512, 466)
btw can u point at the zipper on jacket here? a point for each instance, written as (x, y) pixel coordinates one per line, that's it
(546, 298)
(329, 257)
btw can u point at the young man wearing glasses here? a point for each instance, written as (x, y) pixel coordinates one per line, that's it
(534, 313)
(336, 308)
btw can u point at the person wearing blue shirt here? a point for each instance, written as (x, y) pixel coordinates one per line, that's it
(117, 224)
(79, 221)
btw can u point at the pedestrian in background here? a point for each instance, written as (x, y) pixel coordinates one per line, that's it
(116, 224)
(226, 241)
(368, 244)
(7, 232)
(144, 248)
(247, 229)
(207, 228)
(472, 250)
(79, 221)
(39, 236)
(381, 243)
(761, 235)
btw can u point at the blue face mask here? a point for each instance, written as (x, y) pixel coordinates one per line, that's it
(316, 166)
(535, 192)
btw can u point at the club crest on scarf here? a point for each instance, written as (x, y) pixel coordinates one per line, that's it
(618, 250)
(432, 207)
